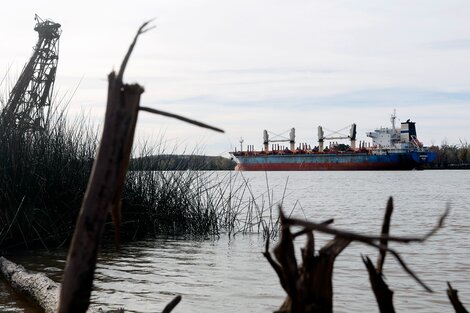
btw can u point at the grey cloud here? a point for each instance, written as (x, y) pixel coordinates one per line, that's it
(457, 44)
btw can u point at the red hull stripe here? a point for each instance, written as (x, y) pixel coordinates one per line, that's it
(364, 166)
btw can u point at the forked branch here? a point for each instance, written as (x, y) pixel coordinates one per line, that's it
(373, 241)
(325, 228)
(309, 285)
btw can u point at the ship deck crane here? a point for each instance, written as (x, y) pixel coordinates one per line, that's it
(282, 138)
(337, 135)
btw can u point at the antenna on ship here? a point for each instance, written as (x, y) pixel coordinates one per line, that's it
(241, 143)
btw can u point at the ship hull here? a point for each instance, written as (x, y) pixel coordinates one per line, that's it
(333, 162)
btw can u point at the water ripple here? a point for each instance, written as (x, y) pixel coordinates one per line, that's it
(231, 275)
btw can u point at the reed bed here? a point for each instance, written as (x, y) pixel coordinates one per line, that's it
(43, 176)
(199, 203)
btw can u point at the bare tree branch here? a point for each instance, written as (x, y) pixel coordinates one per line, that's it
(170, 306)
(181, 118)
(385, 231)
(365, 238)
(306, 231)
(277, 268)
(142, 30)
(371, 240)
(401, 262)
(285, 255)
(383, 294)
(454, 299)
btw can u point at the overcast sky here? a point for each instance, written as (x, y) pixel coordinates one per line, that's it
(249, 65)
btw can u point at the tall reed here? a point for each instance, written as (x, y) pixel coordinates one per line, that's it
(43, 176)
(42, 179)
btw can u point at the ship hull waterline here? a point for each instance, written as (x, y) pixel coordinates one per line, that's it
(333, 162)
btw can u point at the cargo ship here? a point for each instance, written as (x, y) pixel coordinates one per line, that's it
(391, 149)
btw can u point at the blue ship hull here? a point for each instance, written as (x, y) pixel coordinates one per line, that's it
(253, 161)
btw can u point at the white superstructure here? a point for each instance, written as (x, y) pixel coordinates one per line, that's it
(393, 138)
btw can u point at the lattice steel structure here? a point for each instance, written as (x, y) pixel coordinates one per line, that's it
(30, 99)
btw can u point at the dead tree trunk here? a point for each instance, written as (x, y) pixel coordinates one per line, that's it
(105, 187)
(104, 190)
(102, 195)
(383, 294)
(309, 287)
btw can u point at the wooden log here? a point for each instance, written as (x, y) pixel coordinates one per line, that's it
(35, 286)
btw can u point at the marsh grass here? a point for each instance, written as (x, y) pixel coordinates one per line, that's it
(196, 203)
(42, 179)
(43, 176)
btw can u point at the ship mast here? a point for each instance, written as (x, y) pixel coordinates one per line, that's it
(392, 119)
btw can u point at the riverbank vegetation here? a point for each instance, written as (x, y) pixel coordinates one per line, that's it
(173, 162)
(43, 174)
(43, 177)
(452, 156)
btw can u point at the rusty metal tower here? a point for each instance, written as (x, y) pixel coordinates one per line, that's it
(30, 99)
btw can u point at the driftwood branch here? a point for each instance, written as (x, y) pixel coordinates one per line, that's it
(454, 299)
(42, 290)
(34, 286)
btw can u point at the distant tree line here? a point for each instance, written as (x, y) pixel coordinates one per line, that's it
(448, 157)
(452, 156)
(170, 162)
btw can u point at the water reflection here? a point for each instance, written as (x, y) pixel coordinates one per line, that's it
(232, 276)
(208, 274)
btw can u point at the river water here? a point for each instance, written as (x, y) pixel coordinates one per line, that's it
(231, 275)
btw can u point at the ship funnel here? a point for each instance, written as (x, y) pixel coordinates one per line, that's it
(292, 139)
(408, 131)
(266, 140)
(321, 137)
